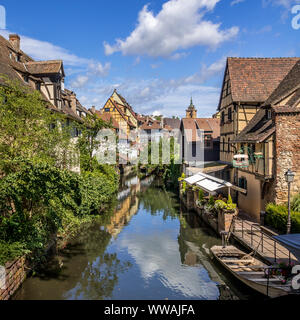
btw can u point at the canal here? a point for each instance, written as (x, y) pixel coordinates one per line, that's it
(148, 248)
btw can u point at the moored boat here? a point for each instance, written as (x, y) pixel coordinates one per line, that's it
(251, 271)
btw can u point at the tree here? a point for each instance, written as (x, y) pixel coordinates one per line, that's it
(88, 142)
(28, 128)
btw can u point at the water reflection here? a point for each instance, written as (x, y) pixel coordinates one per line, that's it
(145, 248)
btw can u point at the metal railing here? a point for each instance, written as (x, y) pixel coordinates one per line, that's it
(264, 244)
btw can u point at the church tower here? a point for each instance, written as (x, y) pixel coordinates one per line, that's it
(191, 112)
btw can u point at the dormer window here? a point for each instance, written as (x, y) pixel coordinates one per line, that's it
(18, 58)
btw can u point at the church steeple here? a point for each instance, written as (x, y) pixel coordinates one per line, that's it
(191, 112)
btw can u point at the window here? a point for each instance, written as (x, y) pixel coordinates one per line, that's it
(26, 78)
(18, 58)
(222, 118)
(228, 149)
(107, 109)
(243, 183)
(251, 151)
(269, 114)
(229, 114)
(208, 141)
(194, 149)
(38, 86)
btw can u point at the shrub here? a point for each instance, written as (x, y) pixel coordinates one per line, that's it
(201, 195)
(295, 204)
(39, 200)
(222, 205)
(277, 217)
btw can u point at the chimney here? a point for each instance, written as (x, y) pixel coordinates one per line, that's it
(93, 109)
(14, 40)
(73, 102)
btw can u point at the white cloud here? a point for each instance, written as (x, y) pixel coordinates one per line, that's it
(179, 25)
(80, 81)
(99, 69)
(169, 97)
(178, 55)
(193, 282)
(234, 2)
(43, 50)
(287, 4)
(207, 72)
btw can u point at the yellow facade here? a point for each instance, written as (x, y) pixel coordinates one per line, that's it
(120, 113)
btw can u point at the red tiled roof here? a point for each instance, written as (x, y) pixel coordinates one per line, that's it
(151, 125)
(254, 79)
(190, 129)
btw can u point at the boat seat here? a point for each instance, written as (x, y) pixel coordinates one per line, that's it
(250, 267)
(251, 272)
(238, 261)
(265, 280)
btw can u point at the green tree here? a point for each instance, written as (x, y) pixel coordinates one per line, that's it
(88, 142)
(29, 129)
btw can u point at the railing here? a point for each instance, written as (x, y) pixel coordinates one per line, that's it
(260, 241)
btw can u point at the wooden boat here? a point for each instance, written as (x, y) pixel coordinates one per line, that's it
(250, 271)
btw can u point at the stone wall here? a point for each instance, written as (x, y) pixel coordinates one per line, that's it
(14, 274)
(287, 154)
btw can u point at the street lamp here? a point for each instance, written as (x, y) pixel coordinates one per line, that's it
(289, 178)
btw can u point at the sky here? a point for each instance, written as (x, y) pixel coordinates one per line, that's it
(156, 53)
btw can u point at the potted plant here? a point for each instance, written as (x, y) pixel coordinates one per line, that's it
(201, 200)
(226, 212)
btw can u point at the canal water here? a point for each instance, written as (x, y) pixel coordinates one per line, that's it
(148, 248)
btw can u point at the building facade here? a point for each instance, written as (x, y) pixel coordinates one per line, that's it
(258, 107)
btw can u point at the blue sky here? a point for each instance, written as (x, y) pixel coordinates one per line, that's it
(156, 53)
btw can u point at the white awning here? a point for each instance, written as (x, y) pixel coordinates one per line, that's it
(209, 185)
(207, 182)
(194, 179)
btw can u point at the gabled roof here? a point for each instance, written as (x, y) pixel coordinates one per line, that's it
(215, 125)
(117, 106)
(151, 125)
(173, 123)
(254, 79)
(289, 84)
(258, 129)
(190, 130)
(44, 67)
(204, 125)
(126, 104)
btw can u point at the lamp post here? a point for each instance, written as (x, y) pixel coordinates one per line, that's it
(289, 178)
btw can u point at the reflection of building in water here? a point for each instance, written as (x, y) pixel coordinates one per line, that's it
(128, 204)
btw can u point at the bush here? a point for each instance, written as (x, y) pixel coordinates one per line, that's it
(277, 217)
(222, 205)
(39, 200)
(201, 195)
(295, 204)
